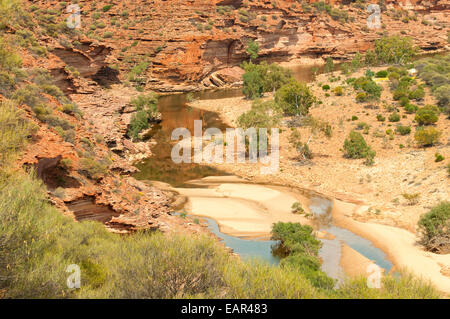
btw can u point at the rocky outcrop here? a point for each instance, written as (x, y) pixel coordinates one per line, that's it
(187, 43)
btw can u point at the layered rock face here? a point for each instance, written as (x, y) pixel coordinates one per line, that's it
(187, 42)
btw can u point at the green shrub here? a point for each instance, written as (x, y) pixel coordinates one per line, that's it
(29, 95)
(372, 90)
(394, 117)
(325, 87)
(370, 156)
(252, 49)
(68, 108)
(295, 140)
(435, 226)
(339, 91)
(362, 97)
(54, 121)
(400, 93)
(275, 77)
(427, 136)
(418, 94)
(392, 50)
(94, 168)
(381, 118)
(411, 108)
(9, 59)
(262, 115)
(66, 163)
(107, 7)
(14, 131)
(299, 249)
(442, 95)
(253, 81)
(297, 208)
(146, 107)
(403, 101)
(7, 84)
(294, 98)
(381, 74)
(329, 65)
(413, 198)
(426, 116)
(438, 157)
(355, 146)
(403, 130)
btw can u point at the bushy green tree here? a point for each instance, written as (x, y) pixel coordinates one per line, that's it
(299, 249)
(355, 146)
(254, 79)
(276, 77)
(262, 115)
(252, 49)
(295, 98)
(435, 228)
(329, 65)
(260, 78)
(394, 50)
(146, 110)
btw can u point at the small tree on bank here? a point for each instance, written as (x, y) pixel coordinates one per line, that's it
(294, 98)
(252, 49)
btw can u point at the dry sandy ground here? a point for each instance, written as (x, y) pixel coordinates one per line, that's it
(400, 167)
(243, 210)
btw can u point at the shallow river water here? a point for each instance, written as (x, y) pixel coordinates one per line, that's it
(176, 113)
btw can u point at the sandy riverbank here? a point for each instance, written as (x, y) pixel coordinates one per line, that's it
(240, 209)
(249, 211)
(400, 245)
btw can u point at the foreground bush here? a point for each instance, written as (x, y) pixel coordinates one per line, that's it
(299, 249)
(435, 228)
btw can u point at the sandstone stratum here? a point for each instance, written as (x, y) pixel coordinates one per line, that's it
(198, 44)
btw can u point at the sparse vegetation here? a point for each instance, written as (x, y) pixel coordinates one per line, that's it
(435, 226)
(297, 208)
